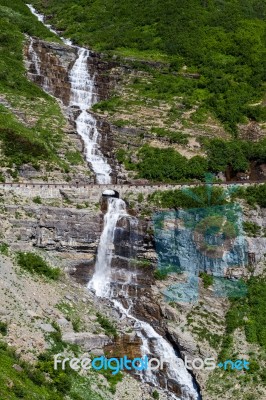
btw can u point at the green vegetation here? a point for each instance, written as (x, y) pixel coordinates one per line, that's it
(108, 327)
(203, 333)
(34, 264)
(4, 249)
(173, 137)
(155, 395)
(234, 153)
(248, 313)
(207, 279)
(168, 165)
(37, 200)
(160, 274)
(3, 328)
(223, 41)
(74, 157)
(251, 228)
(22, 143)
(192, 198)
(42, 381)
(71, 315)
(253, 195)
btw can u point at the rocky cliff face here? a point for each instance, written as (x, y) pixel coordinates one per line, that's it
(48, 65)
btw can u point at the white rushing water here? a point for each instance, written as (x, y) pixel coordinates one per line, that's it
(101, 279)
(83, 96)
(175, 367)
(101, 282)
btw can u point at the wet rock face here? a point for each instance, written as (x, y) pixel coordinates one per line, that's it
(128, 344)
(54, 61)
(104, 81)
(49, 64)
(51, 71)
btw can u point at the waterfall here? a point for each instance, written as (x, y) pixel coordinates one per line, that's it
(101, 282)
(41, 18)
(83, 96)
(37, 65)
(101, 279)
(34, 57)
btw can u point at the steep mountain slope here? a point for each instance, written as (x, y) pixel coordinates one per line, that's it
(223, 41)
(33, 129)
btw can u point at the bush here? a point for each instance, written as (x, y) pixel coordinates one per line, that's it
(4, 248)
(3, 328)
(173, 137)
(251, 228)
(254, 195)
(74, 157)
(109, 328)
(167, 165)
(192, 198)
(160, 275)
(33, 263)
(207, 279)
(37, 200)
(155, 395)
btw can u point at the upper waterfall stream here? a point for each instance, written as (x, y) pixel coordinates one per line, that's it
(83, 96)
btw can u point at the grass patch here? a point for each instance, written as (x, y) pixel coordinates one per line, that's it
(37, 200)
(251, 228)
(4, 249)
(34, 264)
(107, 325)
(173, 137)
(207, 279)
(74, 157)
(254, 195)
(197, 197)
(3, 328)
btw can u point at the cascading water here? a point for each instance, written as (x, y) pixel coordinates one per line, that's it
(83, 96)
(101, 279)
(101, 282)
(35, 58)
(41, 18)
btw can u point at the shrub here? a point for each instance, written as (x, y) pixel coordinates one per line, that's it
(37, 200)
(33, 263)
(109, 328)
(160, 274)
(155, 395)
(4, 248)
(3, 328)
(207, 279)
(251, 228)
(74, 157)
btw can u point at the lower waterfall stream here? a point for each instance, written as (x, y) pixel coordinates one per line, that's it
(100, 284)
